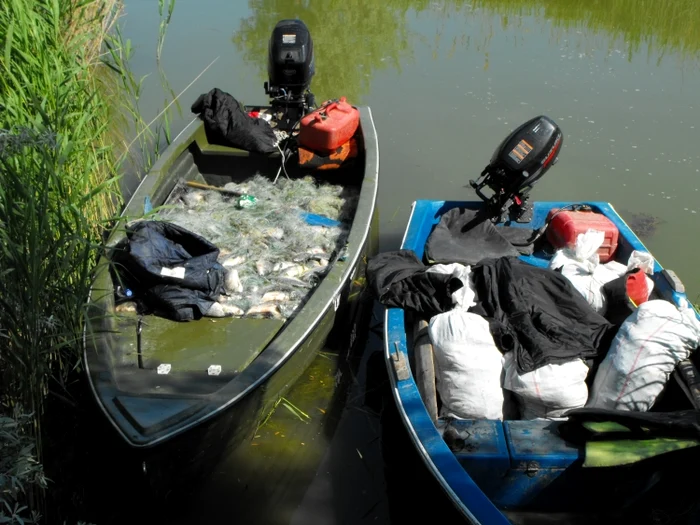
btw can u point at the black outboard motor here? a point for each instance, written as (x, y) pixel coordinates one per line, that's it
(516, 165)
(290, 69)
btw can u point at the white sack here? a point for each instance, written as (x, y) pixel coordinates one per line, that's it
(549, 391)
(581, 265)
(468, 366)
(464, 297)
(643, 354)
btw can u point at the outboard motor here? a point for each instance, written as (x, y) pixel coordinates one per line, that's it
(516, 165)
(290, 69)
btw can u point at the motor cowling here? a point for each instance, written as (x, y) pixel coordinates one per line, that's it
(290, 60)
(517, 164)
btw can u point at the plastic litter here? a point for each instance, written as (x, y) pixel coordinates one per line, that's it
(164, 368)
(247, 201)
(214, 370)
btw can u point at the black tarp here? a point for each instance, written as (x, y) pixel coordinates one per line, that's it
(399, 279)
(467, 236)
(226, 123)
(534, 312)
(538, 314)
(170, 270)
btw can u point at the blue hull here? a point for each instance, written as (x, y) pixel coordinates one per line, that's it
(513, 463)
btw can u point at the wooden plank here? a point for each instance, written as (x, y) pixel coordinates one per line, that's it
(425, 367)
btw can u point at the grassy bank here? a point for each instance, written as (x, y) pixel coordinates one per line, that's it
(57, 190)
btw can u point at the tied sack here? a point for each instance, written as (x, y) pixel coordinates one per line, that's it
(548, 391)
(468, 366)
(581, 265)
(643, 354)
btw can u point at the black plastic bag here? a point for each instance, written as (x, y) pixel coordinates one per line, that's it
(226, 123)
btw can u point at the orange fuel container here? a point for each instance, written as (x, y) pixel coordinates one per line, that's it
(328, 127)
(566, 225)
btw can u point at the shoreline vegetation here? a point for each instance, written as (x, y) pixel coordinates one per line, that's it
(68, 108)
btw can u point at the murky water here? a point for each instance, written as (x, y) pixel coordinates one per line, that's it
(446, 81)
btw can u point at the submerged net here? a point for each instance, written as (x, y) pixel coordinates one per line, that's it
(273, 252)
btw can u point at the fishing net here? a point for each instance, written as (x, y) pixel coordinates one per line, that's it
(275, 250)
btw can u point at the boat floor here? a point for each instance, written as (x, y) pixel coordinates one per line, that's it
(231, 343)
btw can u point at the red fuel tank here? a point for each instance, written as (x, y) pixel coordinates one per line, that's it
(330, 126)
(566, 225)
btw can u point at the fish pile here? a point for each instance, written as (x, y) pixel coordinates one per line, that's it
(273, 257)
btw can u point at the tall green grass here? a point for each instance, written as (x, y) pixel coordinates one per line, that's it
(57, 189)
(64, 139)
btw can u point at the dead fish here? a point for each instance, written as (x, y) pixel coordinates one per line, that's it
(224, 310)
(232, 282)
(129, 306)
(216, 310)
(293, 271)
(266, 310)
(263, 268)
(232, 186)
(232, 310)
(275, 233)
(275, 297)
(278, 267)
(309, 256)
(313, 274)
(193, 198)
(233, 261)
(292, 281)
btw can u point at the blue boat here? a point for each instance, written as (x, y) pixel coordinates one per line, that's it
(509, 463)
(499, 471)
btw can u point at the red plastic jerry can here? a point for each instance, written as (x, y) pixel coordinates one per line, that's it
(566, 225)
(329, 127)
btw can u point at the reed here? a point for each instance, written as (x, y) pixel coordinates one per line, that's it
(59, 191)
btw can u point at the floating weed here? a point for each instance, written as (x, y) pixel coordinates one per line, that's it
(303, 416)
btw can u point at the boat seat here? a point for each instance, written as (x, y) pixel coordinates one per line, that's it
(513, 462)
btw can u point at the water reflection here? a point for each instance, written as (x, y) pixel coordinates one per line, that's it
(655, 29)
(353, 39)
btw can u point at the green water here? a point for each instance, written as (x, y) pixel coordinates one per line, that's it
(446, 81)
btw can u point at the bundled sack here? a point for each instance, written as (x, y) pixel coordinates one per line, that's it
(549, 391)
(463, 298)
(226, 123)
(643, 355)
(581, 265)
(468, 366)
